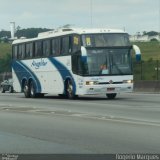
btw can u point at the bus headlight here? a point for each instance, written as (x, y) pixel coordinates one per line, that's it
(91, 82)
(127, 81)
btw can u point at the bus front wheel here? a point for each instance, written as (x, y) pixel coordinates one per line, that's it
(69, 90)
(111, 96)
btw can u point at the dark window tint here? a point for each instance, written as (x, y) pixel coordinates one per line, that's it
(38, 49)
(78, 66)
(66, 48)
(106, 40)
(46, 47)
(21, 51)
(29, 50)
(56, 46)
(15, 52)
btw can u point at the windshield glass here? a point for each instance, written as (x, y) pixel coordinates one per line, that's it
(108, 62)
(105, 40)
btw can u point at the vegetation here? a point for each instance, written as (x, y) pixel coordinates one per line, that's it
(5, 63)
(4, 49)
(30, 32)
(5, 34)
(147, 70)
(5, 57)
(151, 33)
(149, 50)
(5, 46)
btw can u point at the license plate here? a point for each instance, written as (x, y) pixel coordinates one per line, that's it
(110, 89)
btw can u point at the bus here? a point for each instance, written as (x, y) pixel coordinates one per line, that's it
(71, 62)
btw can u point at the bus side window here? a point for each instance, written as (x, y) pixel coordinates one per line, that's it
(23, 51)
(76, 46)
(29, 50)
(87, 40)
(15, 52)
(38, 49)
(46, 48)
(19, 51)
(66, 45)
(55, 46)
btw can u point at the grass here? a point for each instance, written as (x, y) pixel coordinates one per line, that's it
(149, 50)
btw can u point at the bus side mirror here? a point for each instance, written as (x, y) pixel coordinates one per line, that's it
(83, 54)
(137, 52)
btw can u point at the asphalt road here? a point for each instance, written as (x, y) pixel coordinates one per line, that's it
(128, 124)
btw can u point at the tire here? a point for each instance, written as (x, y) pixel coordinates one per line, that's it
(62, 95)
(26, 90)
(32, 90)
(3, 91)
(69, 90)
(111, 96)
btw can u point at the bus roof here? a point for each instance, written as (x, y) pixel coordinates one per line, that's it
(66, 31)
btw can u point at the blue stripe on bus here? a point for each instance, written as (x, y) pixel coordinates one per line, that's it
(22, 71)
(65, 73)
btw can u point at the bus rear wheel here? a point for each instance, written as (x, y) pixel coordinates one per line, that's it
(111, 96)
(32, 90)
(26, 90)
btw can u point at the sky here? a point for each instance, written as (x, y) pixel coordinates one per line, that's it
(130, 15)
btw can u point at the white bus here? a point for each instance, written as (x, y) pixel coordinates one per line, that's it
(73, 62)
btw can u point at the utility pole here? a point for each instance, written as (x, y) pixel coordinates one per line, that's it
(91, 12)
(12, 26)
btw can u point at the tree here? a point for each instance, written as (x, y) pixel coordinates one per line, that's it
(154, 40)
(30, 32)
(144, 32)
(151, 33)
(5, 63)
(5, 34)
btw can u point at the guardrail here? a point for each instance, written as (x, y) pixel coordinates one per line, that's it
(147, 86)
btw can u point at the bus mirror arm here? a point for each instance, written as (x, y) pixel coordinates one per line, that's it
(137, 53)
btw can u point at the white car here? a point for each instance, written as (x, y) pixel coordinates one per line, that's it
(7, 85)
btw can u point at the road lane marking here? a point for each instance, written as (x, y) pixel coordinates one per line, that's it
(110, 118)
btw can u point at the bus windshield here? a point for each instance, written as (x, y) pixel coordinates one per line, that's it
(105, 40)
(109, 62)
(107, 54)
